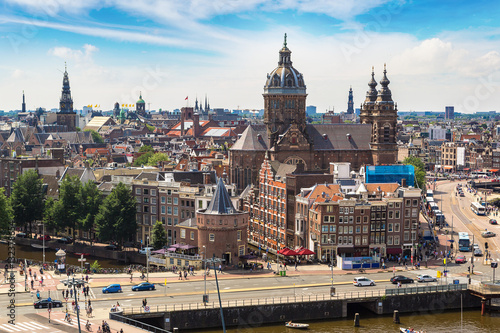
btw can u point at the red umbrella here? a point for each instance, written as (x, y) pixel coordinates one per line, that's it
(304, 252)
(287, 252)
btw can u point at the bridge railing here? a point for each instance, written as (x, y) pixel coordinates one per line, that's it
(136, 323)
(362, 294)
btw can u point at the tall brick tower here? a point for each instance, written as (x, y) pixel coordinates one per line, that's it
(284, 97)
(380, 110)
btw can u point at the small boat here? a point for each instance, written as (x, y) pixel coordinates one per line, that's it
(82, 254)
(39, 247)
(409, 330)
(296, 325)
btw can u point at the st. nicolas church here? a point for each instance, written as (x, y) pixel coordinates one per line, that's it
(289, 139)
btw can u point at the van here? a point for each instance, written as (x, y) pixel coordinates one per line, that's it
(144, 250)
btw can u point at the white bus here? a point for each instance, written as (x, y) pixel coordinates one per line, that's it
(477, 208)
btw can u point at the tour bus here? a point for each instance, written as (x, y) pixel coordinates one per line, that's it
(429, 194)
(477, 208)
(463, 242)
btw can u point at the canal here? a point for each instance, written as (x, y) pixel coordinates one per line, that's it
(430, 323)
(27, 252)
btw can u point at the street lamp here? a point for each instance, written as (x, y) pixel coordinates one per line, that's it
(205, 296)
(332, 290)
(43, 243)
(147, 258)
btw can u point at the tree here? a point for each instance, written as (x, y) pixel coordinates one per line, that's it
(159, 235)
(146, 149)
(157, 158)
(6, 213)
(69, 209)
(27, 200)
(150, 128)
(143, 159)
(95, 136)
(91, 200)
(51, 214)
(116, 217)
(419, 169)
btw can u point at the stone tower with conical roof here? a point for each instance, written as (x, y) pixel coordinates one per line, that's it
(380, 110)
(284, 97)
(66, 115)
(222, 229)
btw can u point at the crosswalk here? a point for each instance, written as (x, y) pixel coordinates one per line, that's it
(45, 277)
(74, 322)
(27, 326)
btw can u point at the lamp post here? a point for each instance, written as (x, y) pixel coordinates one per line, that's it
(43, 243)
(147, 258)
(332, 292)
(205, 296)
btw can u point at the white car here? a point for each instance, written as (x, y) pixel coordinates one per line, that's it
(362, 281)
(426, 278)
(475, 246)
(144, 250)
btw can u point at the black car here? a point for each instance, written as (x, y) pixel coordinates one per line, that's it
(65, 240)
(401, 278)
(111, 247)
(44, 303)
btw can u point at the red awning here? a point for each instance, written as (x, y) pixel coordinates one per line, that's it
(493, 170)
(304, 252)
(448, 167)
(287, 252)
(466, 169)
(393, 250)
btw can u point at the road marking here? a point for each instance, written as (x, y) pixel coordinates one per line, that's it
(24, 326)
(73, 322)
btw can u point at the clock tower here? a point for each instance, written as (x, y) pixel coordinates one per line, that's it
(66, 115)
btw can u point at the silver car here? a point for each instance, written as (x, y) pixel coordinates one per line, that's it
(426, 278)
(362, 281)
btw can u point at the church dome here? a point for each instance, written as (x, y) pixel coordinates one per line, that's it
(140, 101)
(285, 76)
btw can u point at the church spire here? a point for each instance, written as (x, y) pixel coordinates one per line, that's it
(384, 94)
(66, 102)
(371, 94)
(285, 55)
(24, 104)
(350, 102)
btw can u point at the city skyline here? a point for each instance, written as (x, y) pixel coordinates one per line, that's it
(436, 54)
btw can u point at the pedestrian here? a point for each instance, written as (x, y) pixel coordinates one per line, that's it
(180, 275)
(121, 330)
(284, 264)
(32, 284)
(185, 275)
(67, 292)
(71, 293)
(30, 271)
(220, 268)
(131, 276)
(34, 276)
(295, 265)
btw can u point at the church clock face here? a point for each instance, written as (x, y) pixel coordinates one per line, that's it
(63, 105)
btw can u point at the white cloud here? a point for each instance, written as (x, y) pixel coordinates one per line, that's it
(78, 56)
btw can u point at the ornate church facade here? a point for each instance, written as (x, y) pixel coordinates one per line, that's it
(289, 139)
(66, 115)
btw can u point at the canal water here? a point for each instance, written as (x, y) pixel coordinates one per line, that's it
(27, 252)
(441, 322)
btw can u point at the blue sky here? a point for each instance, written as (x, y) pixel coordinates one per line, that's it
(437, 52)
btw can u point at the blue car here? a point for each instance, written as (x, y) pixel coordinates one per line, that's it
(112, 288)
(143, 286)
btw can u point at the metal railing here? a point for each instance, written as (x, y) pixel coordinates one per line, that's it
(485, 288)
(425, 289)
(136, 323)
(353, 295)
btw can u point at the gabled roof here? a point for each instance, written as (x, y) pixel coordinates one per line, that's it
(250, 139)
(221, 202)
(281, 169)
(327, 189)
(340, 136)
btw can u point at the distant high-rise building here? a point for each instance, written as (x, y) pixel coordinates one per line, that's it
(24, 104)
(350, 102)
(310, 110)
(449, 113)
(66, 115)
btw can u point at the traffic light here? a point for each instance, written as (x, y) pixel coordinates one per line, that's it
(485, 245)
(451, 246)
(494, 265)
(50, 305)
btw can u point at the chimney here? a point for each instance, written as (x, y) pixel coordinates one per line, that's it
(196, 125)
(206, 178)
(403, 182)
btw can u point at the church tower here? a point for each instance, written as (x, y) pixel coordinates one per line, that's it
(350, 102)
(66, 115)
(23, 107)
(284, 97)
(140, 106)
(380, 110)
